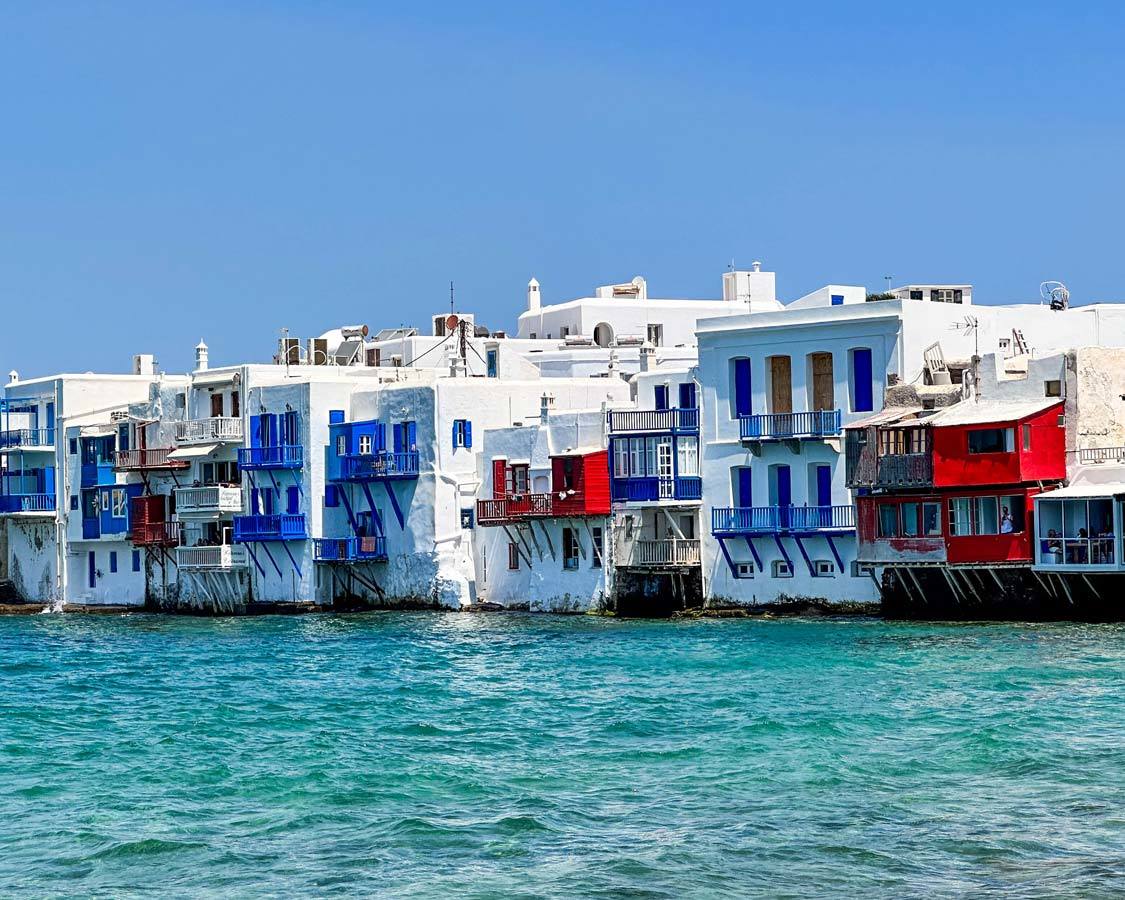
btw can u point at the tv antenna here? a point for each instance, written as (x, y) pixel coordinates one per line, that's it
(1055, 293)
(451, 298)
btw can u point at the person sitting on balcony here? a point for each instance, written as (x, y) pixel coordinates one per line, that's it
(1006, 525)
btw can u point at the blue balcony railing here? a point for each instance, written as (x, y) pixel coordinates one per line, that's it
(27, 437)
(99, 473)
(785, 426)
(649, 489)
(680, 421)
(276, 527)
(743, 520)
(16, 503)
(373, 466)
(353, 549)
(284, 456)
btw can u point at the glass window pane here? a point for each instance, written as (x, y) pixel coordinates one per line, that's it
(959, 517)
(987, 520)
(1011, 515)
(931, 524)
(910, 519)
(888, 520)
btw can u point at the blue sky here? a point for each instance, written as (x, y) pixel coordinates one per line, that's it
(177, 171)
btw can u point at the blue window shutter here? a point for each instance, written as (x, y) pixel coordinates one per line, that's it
(255, 501)
(823, 485)
(661, 396)
(112, 560)
(255, 431)
(92, 568)
(837, 299)
(456, 428)
(136, 560)
(293, 499)
(271, 429)
(331, 495)
(745, 487)
(468, 433)
(784, 486)
(380, 442)
(863, 400)
(396, 437)
(742, 387)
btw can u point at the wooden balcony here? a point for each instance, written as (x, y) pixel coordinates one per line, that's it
(30, 504)
(652, 489)
(275, 527)
(215, 558)
(283, 456)
(147, 459)
(655, 421)
(384, 465)
(208, 502)
(155, 534)
(662, 554)
(217, 430)
(350, 549)
(27, 438)
(904, 470)
(790, 426)
(753, 520)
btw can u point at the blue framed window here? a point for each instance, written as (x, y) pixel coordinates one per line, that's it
(493, 357)
(863, 395)
(74, 501)
(661, 396)
(742, 405)
(136, 560)
(112, 561)
(331, 495)
(687, 395)
(462, 433)
(837, 299)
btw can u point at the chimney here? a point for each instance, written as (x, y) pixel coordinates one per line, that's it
(533, 296)
(200, 355)
(545, 404)
(13, 376)
(144, 364)
(648, 357)
(756, 266)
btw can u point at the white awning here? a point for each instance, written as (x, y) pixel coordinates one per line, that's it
(1079, 491)
(194, 452)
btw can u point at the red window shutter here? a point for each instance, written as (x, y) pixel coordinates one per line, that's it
(499, 475)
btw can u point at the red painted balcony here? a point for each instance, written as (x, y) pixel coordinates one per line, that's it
(155, 534)
(147, 459)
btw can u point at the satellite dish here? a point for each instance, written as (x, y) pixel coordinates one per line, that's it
(451, 321)
(1055, 293)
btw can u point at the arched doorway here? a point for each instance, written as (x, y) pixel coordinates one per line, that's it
(603, 334)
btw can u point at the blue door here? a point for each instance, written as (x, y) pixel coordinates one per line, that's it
(745, 488)
(293, 500)
(266, 497)
(742, 406)
(823, 485)
(411, 430)
(862, 394)
(783, 492)
(92, 569)
(398, 437)
(51, 424)
(662, 396)
(687, 395)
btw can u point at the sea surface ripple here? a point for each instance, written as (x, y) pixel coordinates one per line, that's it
(431, 755)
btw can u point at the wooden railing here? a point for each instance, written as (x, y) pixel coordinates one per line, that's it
(669, 552)
(155, 534)
(219, 429)
(782, 426)
(781, 519)
(147, 458)
(209, 499)
(658, 420)
(1101, 455)
(219, 557)
(904, 470)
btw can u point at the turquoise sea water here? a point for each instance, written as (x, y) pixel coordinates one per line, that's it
(451, 755)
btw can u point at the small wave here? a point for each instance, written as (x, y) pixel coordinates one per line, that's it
(145, 847)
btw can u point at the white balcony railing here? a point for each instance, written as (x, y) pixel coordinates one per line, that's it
(225, 556)
(209, 431)
(209, 501)
(670, 552)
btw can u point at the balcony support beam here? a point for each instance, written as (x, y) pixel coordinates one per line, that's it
(546, 537)
(518, 544)
(254, 559)
(266, 549)
(289, 553)
(394, 505)
(754, 552)
(726, 555)
(784, 553)
(805, 554)
(835, 552)
(378, 519)
(348, 509)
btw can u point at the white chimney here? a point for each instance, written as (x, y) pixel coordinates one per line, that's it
(648, 357)
(756, 266)
(13, 376)
(144, 364)
(533, 295)
(545, 403)
(200, 355)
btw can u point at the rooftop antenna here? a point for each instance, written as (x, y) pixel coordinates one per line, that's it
(971, 325)
(1055, 293)
(730, 265)
(887, 278)
(451, 297)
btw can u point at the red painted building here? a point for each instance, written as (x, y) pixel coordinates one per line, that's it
(953, 487)
(579, 487)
